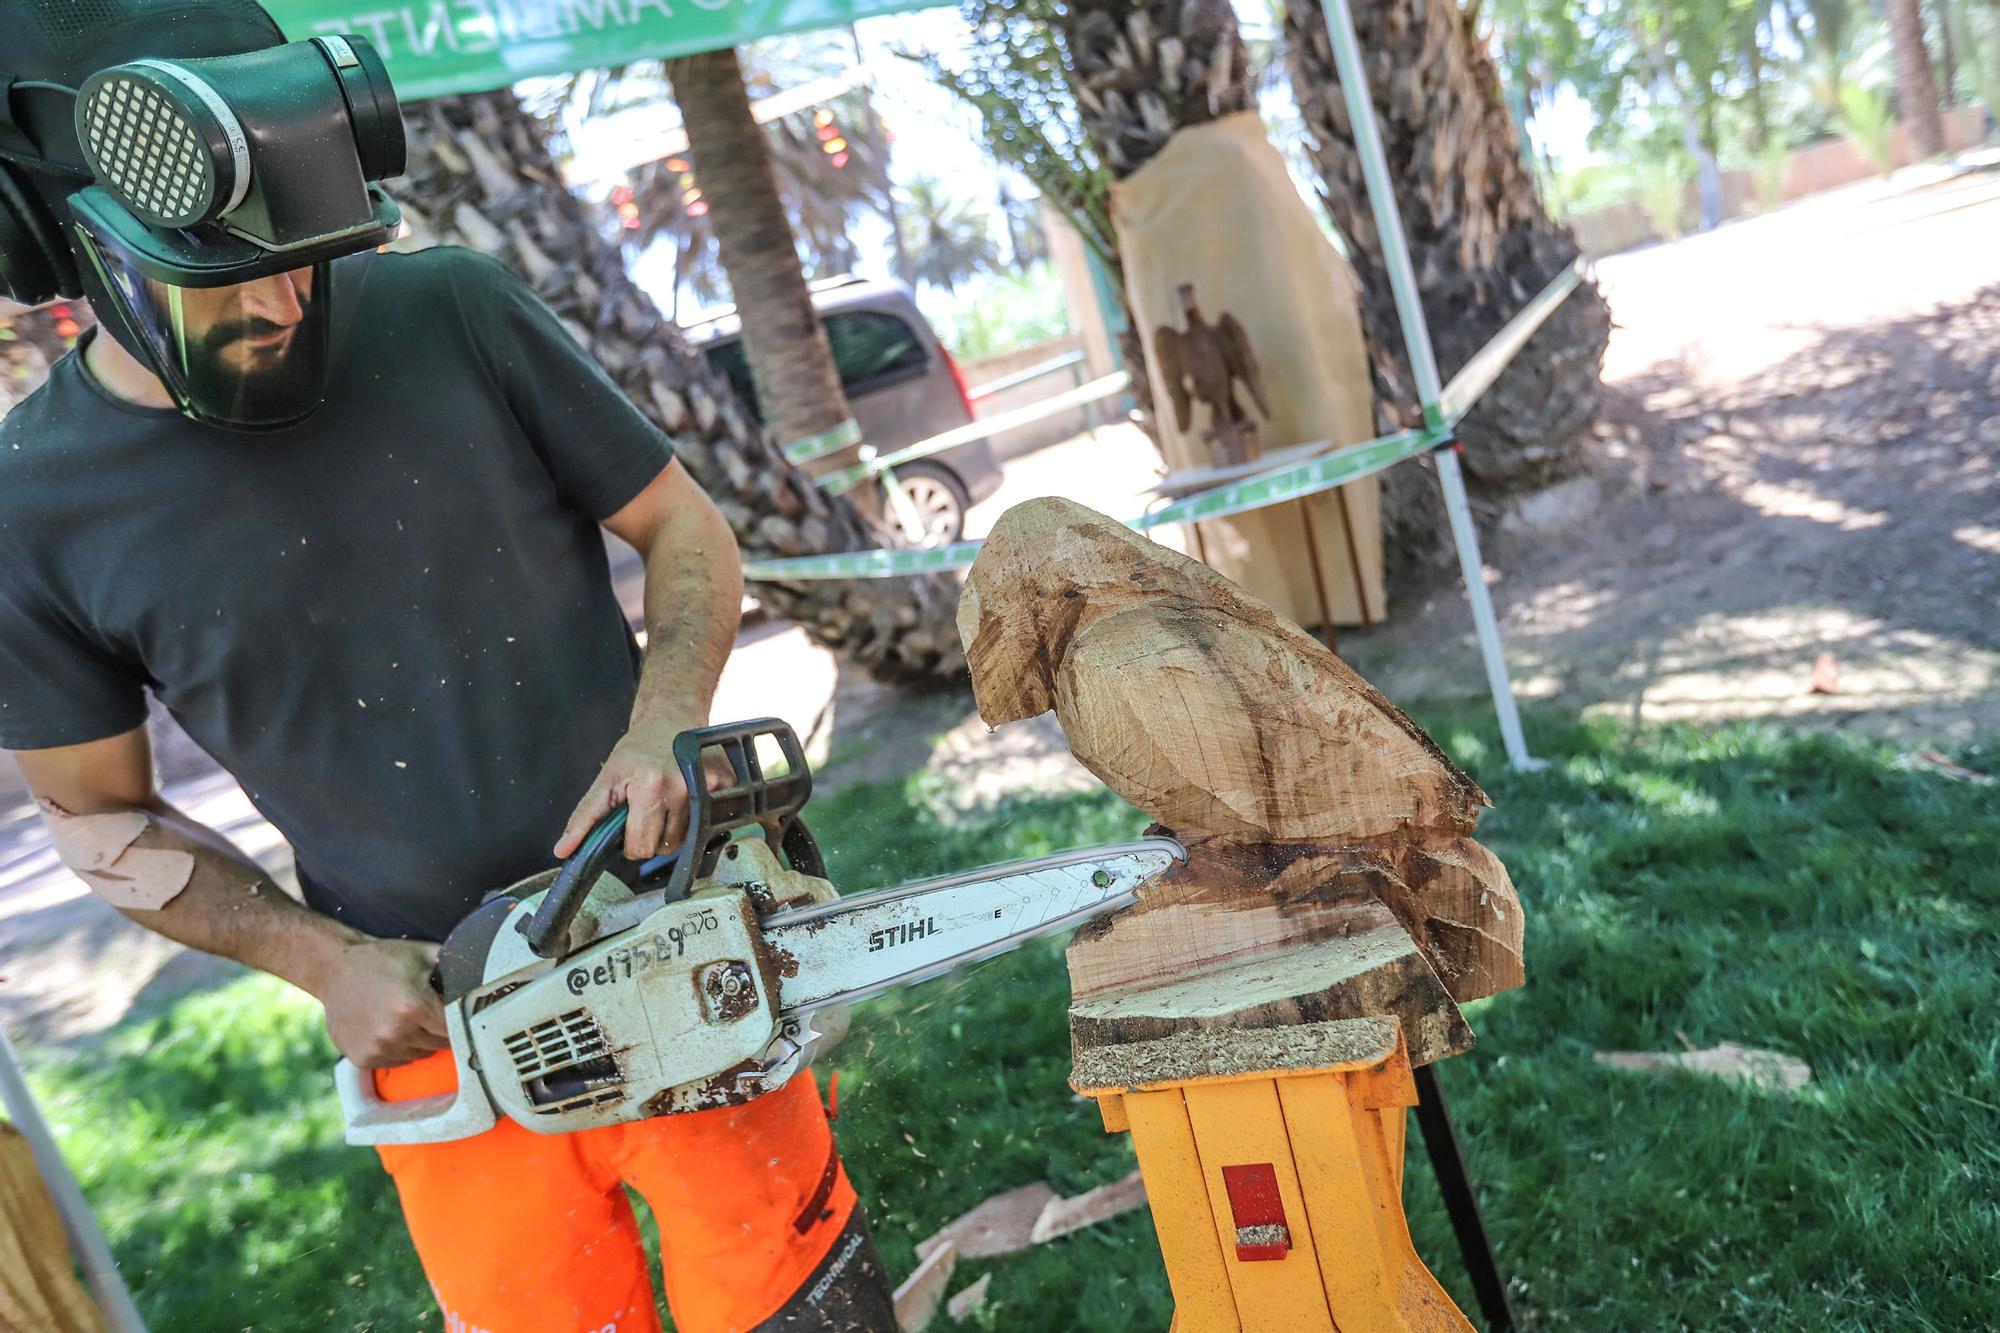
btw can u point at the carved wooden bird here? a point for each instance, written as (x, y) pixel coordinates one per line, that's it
(1233, 727)
(1202, 364)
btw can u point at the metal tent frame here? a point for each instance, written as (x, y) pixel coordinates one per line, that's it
(1424, 368)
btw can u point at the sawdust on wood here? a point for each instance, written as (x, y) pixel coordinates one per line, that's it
(1234, 1052)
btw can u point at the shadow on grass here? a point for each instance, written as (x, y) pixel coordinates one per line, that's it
(1801, 893)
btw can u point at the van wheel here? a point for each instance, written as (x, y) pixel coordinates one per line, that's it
(940, 500)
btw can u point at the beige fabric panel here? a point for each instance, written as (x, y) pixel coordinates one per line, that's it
(1217, 209)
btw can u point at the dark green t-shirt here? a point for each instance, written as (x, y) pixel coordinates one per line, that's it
(392, 623)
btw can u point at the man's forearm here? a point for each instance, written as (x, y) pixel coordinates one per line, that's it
(230, 907)
(694, 601)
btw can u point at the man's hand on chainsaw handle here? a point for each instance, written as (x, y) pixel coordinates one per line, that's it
(380, 1008)
(694, 597)
(641, 776)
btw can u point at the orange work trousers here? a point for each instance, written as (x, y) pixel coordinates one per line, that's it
(521, 1232)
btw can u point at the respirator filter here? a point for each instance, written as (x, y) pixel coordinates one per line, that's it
(164, 143)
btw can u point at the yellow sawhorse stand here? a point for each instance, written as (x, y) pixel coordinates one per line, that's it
(1273, 1163)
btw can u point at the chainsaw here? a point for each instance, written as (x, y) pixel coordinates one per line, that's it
(574, 1000)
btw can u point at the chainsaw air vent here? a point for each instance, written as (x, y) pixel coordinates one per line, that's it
(564, 1064)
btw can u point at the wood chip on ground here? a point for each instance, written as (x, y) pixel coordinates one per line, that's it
(918, 1298)
(1004, 1224)
(1767, 1070)
(1063, 1216)
(962, 1305)
(1938, 763)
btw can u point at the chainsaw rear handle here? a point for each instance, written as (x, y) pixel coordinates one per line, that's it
(771, 803)
(459, 1114)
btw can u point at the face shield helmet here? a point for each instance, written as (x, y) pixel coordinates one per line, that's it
(206, 193)
(247, 356)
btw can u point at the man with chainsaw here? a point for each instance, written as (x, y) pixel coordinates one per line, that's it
(338, 510)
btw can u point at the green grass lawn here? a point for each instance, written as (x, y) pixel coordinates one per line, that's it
(1803, 893)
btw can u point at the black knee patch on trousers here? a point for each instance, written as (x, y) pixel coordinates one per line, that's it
(848, 1293)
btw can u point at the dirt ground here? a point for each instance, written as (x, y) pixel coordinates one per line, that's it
(1799, 459)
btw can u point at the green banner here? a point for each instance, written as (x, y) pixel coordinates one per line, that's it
(434, 47)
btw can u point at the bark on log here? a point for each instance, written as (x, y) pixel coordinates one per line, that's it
(1331, 872)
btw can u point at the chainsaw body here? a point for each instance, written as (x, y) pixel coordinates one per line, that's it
(574, 1001)
(653, 1002)
(675, 1013)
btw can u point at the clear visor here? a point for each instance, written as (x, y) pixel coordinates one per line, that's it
(250, 356)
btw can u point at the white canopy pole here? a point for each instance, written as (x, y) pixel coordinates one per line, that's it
(1423, 365)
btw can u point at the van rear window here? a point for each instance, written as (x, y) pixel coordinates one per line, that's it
(868, 346)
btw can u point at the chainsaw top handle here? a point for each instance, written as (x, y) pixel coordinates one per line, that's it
(749, 796)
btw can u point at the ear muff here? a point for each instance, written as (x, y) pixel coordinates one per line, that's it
(35, 261)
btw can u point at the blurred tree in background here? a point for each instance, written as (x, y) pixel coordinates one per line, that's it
(1741, 81)
(831, 162)
(945, 239)
(482, 175)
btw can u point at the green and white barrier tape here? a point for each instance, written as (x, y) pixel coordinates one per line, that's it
(848, 478)
(863, 564)
(1293, 482)
(826, 442)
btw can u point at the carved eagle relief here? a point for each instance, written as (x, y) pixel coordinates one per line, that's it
(1203, 363)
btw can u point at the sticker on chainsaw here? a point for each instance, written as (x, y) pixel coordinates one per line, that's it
(623, 964)
(908, 933)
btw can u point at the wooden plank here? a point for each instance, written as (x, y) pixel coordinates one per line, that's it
(1352, 1172)
(1178, 1197)
(1373, 973)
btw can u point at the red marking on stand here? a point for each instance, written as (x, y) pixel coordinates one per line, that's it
(1258, 1211)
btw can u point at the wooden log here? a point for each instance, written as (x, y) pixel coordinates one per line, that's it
(1374, 972)
(1187, 696)
(1302, 794)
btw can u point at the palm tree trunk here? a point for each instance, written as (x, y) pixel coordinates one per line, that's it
(1479, 238)
(1143, 71)
(1916, 90)
(798, 385)
(481, 176)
